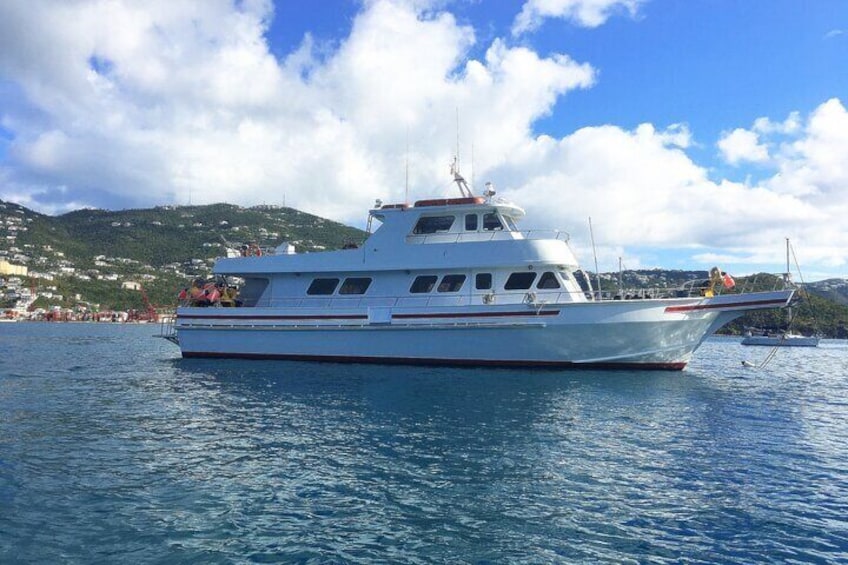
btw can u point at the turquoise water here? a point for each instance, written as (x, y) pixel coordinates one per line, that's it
(114, 449)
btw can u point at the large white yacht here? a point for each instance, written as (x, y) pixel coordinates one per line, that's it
(450, 281)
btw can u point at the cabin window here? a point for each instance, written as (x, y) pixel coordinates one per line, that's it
(520, 281)
(355, 285)
(433, 224)
(451, 283)
(471, 222)
(322, 286)
(492, 222)
(483, 281)
(510, 223)
(422, 284)
(547, 280)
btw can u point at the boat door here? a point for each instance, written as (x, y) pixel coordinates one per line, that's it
(379, 315)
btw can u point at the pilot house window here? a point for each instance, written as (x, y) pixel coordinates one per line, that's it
(433, 224)
(520, 281)
(548, 280)
(483, 281)
(491, 222)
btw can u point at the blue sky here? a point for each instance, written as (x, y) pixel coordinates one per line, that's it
(692, 132)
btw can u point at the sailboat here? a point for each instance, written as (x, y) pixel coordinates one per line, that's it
(780, 337)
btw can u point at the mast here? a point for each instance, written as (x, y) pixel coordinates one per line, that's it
(457, 177)
(460, 180)
(620, 278)
(788, 274)
(595, 254)
(787, 277)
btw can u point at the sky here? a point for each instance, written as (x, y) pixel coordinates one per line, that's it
(693, 133)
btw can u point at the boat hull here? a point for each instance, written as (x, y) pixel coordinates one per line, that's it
(648, 334)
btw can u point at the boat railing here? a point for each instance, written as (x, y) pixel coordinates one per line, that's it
(764, 282)
(167, 329)
(533, 298)
(494, 235)
(697, 288)
(761, 282)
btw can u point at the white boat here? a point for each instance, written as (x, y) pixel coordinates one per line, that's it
(779, 338)
(450, 282)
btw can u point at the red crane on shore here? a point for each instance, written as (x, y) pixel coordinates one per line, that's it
(150, 314)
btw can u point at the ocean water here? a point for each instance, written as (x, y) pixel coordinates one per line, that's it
(113, 449)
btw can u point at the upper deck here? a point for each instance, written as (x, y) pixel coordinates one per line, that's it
(456, 233)
(449, 220)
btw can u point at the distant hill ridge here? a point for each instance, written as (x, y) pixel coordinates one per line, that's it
(166, 234)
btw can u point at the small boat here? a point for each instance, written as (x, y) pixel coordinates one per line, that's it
(449, 281)
(781, 337)
(754, 336)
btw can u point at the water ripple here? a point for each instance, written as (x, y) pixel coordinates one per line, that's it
(113, 449)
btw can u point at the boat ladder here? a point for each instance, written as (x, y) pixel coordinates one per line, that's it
(168, 331)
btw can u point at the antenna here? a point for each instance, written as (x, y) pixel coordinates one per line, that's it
(457, 138)
(472, 164)
(406, 185)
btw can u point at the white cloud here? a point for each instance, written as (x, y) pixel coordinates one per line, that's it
(642, 188)
(145, 104)
(791, 125)
(742, 145)
(585, 13)
(142, 105)
(816, 164)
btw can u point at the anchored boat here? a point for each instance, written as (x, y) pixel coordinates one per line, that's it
(449, 281)
(782, 337)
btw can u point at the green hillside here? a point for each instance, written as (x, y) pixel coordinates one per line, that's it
(160, 247)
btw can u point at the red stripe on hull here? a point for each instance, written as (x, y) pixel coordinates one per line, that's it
(695, 307)
(506, 364)
(475, 315)
(272, 317)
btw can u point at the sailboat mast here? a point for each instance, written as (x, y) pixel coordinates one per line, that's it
(788, 272)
